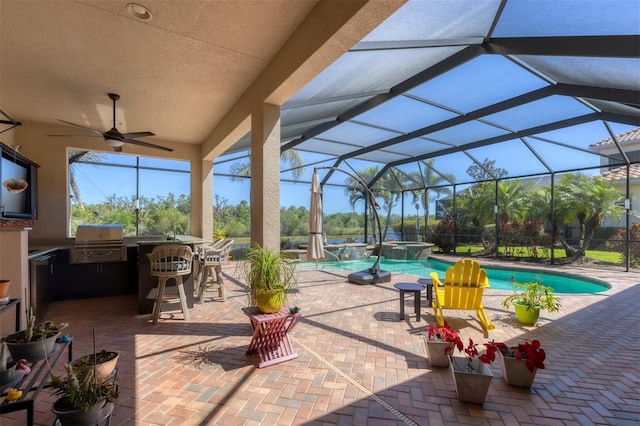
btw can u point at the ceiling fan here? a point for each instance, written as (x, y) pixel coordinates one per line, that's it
(113, 137)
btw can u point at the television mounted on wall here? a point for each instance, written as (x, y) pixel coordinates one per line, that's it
(18, 193)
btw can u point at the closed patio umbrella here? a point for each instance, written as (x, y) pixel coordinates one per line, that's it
(315, 247)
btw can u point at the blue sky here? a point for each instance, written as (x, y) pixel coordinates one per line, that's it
(97, 183)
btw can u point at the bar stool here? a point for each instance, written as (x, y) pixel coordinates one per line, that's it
(198, 256)
(169, 262)
(211, 261)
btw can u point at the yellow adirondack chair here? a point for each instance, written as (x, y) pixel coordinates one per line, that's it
(463, 286)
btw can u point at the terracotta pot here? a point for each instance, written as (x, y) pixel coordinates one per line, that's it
(471, 387)
(4, 289)
(515, 371)
(436, 351)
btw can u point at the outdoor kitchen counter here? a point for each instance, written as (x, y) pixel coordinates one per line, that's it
(146, 282)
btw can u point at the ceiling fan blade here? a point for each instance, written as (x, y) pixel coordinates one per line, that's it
(147, 144)
(9, 118)
(82, 127)
(137, 135)
(77, 136)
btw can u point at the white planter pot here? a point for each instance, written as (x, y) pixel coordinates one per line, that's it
(103, 369)
(435, 351)
(471, 387)
(515, 371)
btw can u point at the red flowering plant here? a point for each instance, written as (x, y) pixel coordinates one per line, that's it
(471, 352)
(442, 333)
(529, 351)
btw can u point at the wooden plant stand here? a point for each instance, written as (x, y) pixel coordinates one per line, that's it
(271, 335)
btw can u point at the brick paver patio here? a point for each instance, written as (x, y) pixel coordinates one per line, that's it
(358, 364)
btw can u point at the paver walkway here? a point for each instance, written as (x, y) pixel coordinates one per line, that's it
(358, 364)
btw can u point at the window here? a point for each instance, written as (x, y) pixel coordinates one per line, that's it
(147, 196)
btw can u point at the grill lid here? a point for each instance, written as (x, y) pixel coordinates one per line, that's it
(98, 234)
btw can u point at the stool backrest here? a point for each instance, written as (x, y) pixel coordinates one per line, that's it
(170, 260)
(216, 255)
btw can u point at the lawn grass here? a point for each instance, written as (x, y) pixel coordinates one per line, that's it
(558, 253)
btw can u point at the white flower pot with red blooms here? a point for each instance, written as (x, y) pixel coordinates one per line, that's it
(521, 362)
(439, 341)
(471, 374)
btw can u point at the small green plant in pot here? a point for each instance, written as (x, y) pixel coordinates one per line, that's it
(529, 299)
(270, 276)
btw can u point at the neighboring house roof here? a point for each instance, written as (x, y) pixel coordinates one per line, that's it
(632, 136)
(620, 173)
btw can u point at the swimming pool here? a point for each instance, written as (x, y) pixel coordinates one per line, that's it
(499, 278)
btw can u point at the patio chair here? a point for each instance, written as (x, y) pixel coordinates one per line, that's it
(169, 262)
(211, 260)
(463, 286)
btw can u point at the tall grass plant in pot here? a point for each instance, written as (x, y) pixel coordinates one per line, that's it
(270, 275)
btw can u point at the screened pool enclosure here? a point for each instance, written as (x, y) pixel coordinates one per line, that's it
(505, 127)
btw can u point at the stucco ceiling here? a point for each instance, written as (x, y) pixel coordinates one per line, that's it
(177, 74)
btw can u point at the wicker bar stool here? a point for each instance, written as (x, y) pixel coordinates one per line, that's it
(211, 261)
(170, 262)
(198, 256)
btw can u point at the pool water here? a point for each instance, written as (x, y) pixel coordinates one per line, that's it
(498, 278)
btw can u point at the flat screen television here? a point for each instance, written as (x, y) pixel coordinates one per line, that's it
(17, 204)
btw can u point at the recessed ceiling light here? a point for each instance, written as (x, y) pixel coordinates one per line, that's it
(139, 12)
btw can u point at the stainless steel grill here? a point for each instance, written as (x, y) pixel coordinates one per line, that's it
(98, 243)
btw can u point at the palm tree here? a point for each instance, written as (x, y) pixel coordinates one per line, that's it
(475, 205)
(511, 196)
(76, 157)
(432, 182)
(387, 188)
(588, 200)
(242, 168)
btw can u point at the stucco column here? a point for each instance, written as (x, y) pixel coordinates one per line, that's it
(265, 177)
(206, 207)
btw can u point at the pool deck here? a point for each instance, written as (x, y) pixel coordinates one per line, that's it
(358, 363)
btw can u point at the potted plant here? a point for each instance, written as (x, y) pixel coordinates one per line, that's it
(529, 299)
(270, 276)
(219, 233)
(4, 291)
(83, 398)
(35, 342)
(439, 341)
(471, 374)
(104, 363)
(521, 362)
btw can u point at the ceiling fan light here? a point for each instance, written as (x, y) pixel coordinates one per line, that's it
(138, 12)
(114, 142)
